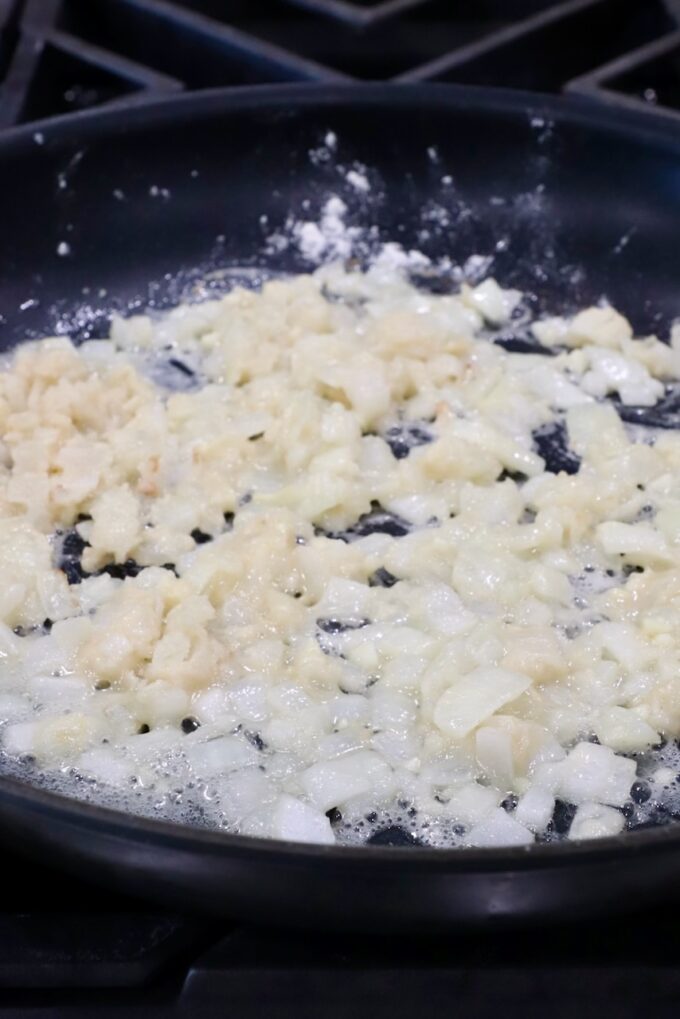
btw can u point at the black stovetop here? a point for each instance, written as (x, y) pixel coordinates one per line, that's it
(70, 949)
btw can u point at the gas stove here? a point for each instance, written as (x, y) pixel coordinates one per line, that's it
(62, 55)
(71, 949)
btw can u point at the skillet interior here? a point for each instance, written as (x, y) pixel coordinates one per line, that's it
(589, 208)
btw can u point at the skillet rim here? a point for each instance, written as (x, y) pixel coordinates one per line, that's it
(569, 108)
(632, 125)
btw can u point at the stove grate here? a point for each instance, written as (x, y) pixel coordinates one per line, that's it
(58, 56)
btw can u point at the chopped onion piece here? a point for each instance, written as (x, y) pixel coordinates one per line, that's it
(296, 821)
(595, 773)
(330, 783)
(227, 753)
(475, 697)
(498, 829)
(535, 808)
(595, 821)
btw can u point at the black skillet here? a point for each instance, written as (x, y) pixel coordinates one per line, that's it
(585, 202)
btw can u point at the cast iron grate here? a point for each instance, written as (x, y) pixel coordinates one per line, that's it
(650, 74)
(62, 55)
